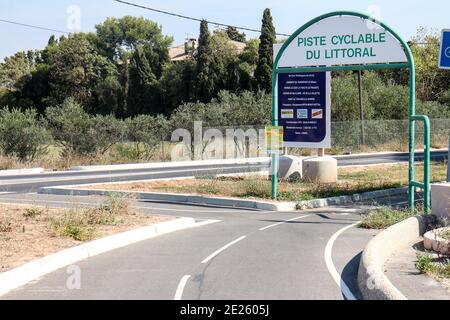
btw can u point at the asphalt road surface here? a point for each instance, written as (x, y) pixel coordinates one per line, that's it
(31, 183)
(246, 255)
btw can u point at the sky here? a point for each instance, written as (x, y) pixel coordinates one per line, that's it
(403, 16)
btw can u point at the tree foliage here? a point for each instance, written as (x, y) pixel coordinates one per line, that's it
(79, 133)
(263, 73)
(22, 134)
(432, 82)
(203, 57)
(235, 35)
(76, 70)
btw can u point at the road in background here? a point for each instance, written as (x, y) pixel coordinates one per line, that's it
(31, 183)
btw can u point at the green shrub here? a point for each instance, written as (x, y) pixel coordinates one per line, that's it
(433, 109)
(22, 135)
(228, 109)
(146, 134)
(79, 133)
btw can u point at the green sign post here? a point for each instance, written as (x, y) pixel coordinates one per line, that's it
(348, 40)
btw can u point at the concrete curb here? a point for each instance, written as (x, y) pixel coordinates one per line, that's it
(372, 282)
(176, 164)
(178, 198)
(228, 202)
(343, 200)
(16, 172)
(22, 275)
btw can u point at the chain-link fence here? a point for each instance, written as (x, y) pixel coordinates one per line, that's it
(347, 137)
(385, 135)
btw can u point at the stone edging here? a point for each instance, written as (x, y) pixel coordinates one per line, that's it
(230, 202)
(372, 281)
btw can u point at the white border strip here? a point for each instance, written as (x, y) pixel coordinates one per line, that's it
(332, 269)
(283, 222)
(212, 256)
(180, 288)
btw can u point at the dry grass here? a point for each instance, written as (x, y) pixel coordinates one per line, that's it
(54, 160)
(352, 180)
(28, 233)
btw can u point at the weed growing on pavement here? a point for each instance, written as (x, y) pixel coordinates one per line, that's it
(424, 262)
(437, 269)
(385, 217)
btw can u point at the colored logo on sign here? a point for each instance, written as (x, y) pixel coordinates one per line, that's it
(287, 114)
(317, 114)
(302, 113)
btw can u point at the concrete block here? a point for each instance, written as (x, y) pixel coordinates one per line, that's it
(440, 200)
(321, 170)
(290, 168)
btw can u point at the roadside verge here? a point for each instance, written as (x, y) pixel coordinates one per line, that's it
(228, 202)
(22, 275)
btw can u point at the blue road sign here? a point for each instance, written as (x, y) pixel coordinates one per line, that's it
(444, 56)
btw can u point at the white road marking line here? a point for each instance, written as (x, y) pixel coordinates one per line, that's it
(6, 193)
(212, 256)
(332, 269)
(197, 211)
(286, 221)
(180, 288)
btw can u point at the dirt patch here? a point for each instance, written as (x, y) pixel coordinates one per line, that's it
(26, 233)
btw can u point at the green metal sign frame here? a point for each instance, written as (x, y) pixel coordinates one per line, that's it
(413, 118)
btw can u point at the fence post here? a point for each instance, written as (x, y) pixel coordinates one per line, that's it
(361, 107)
(448, 160)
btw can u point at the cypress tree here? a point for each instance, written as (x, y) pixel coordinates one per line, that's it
(205, 83)
(263, 72)
(142, 85)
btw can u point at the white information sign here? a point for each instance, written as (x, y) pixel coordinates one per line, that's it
(342, 40)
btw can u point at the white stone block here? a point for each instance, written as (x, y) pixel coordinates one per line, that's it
(320, 169)
(290, 168)
(440, 200)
